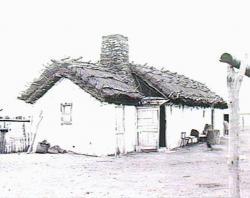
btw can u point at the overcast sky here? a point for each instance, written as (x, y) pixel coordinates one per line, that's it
(187, 37)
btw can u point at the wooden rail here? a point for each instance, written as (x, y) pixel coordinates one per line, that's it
(13, 120)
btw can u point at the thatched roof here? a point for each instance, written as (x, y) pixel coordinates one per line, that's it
(101, 82)
(127, 86)
(179, 89)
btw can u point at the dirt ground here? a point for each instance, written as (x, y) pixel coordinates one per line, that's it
(191, 171)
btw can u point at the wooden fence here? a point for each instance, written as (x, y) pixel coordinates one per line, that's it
(16, 140)
(16, 145)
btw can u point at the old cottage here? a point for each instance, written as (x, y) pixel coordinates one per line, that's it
(100, 108)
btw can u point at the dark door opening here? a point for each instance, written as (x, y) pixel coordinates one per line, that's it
(162, 136)
(226, 117)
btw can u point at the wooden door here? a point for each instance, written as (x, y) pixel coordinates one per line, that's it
(148, 127)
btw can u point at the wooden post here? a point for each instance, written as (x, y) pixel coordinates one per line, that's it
(123, 129)
(2, 142)
(212, 117)
(243, 122)
(24, 136)
(234, 80)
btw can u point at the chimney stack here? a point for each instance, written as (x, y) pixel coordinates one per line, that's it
(114, 51)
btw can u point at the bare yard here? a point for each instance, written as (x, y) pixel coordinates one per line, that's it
(191, 171)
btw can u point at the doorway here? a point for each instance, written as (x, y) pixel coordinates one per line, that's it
(226, 117)
(162, 136)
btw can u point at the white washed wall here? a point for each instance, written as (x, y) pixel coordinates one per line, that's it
(93, 126)
(130, 128)
(93, 123)
(183, 120)
(218, 120)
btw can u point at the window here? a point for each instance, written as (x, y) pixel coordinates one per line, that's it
(66, 113)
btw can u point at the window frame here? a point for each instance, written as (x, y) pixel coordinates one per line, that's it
(66, 116)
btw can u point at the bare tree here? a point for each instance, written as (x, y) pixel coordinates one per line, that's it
(36, 130)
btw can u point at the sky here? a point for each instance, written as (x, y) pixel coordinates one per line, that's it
(187, 37)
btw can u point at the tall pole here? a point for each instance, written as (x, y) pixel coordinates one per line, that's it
(234, 80)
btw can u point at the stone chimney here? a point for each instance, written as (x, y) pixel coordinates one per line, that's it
(114, 51)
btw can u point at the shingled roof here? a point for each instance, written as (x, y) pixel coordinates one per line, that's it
(115, 80)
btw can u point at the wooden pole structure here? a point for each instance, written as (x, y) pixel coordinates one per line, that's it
(235, 63)
(234, 80)
(233, 83)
